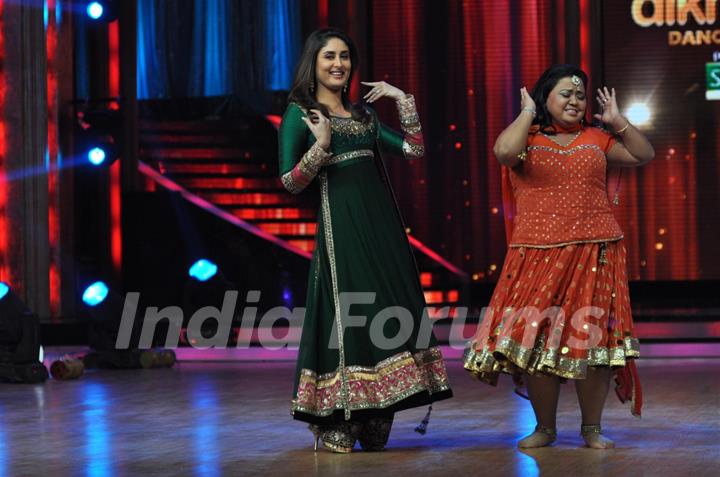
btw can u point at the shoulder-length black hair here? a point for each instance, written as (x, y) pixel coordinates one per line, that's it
(305, 74)
(540, 92)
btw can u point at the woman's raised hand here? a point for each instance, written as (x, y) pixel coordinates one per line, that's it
(320, 127)
(610, 112)
(526, 101)
(381, 89)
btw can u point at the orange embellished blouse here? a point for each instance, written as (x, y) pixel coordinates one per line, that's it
(561, 193)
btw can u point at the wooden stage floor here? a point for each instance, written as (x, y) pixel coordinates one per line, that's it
(232, 418)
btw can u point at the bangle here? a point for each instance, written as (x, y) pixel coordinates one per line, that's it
(620, 131)
(529, 110)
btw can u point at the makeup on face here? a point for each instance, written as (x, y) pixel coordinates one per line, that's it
(333, 65)
(567, 101)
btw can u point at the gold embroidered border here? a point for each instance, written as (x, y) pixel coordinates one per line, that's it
(409, 119)
(384, 367)
(346, 156)
(351, 126)
(510, 355)
(290, 184)
(330, 247)
(565, 152)
(412, 150)
(390, 381)
(312, 160)
(563, 244)
(410, 124)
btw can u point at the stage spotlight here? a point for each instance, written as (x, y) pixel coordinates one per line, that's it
(95, 294)
(207, 287)
(287, 297)
(95, 10)
(99, 136)
(104, 307)
(102, 10)
(203, 270)
(638, 114)
(101, 152)
(96, 156)
(4, 289)
(19, 342)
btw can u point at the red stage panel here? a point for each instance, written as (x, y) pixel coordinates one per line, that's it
(53, 149)
(4, 185)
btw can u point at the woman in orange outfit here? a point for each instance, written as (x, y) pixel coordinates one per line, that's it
(561, 307)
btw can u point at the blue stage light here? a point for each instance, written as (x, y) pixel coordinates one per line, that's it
(95, 10)
(287, 297)
(95, 294)
(4, 290)
(203, 270)
(96, 156)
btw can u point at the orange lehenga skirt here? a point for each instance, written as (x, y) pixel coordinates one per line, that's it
(556, 311)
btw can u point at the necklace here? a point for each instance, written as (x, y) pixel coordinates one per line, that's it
(556, 141)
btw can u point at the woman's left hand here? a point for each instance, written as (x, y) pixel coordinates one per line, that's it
(380, 89)
(609, 108)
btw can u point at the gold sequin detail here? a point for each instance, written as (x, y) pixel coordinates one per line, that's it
(390, 381)
(412, 150)
(409, 120)
(346, 156)
(330, 246)
(557, 141)
(290, 184)
(561, 195)
(566, 152)
(313, 160)
(309, 165)
(350, 126)
(509, 356)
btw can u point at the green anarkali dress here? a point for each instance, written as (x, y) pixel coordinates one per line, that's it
(360, 247)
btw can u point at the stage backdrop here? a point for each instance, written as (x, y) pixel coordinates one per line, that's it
(465, 62)
(661, 57)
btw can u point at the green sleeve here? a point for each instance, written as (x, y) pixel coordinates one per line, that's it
(390, 140)
(292, 138)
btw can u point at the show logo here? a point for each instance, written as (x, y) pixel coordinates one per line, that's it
(680, 13)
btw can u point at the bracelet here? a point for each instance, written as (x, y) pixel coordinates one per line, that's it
(529, 110)
(620, 131)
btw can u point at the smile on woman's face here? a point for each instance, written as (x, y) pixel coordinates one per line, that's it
(333, 65)
(567, 102)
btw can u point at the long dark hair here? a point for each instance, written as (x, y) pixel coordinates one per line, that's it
(540, 92)
(305, 74)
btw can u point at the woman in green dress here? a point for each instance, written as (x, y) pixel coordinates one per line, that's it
(361, 357)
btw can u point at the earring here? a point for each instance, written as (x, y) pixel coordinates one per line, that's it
(345, 88)
(312, 86)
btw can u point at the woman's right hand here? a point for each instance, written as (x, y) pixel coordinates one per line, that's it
(320, 127)
(526, 101)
